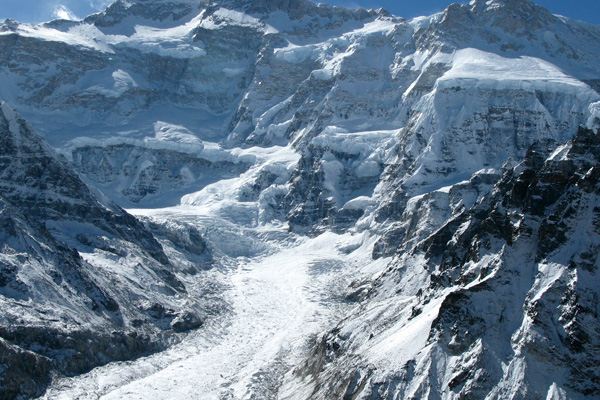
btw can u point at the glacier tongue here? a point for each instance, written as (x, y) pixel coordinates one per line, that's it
(279, 298)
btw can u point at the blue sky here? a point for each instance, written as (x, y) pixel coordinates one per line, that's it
(43, 10)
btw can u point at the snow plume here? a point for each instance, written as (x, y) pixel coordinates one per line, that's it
(63, 12)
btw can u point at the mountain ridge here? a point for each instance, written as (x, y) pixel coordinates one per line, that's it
(66, 308)
(463, 353)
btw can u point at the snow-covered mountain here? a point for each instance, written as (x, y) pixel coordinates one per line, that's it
(82, 282)
(431, 154)
(501, 302)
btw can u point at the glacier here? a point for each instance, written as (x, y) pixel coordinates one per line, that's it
(320, 202)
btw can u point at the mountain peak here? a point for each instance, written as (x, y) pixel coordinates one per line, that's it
(517, 7)
(515, 17)
(166, 12)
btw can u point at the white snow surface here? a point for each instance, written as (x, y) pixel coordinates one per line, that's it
(485, 69)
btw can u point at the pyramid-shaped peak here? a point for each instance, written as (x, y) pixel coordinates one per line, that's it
(16, 133)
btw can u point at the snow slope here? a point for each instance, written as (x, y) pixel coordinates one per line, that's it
(485, 306)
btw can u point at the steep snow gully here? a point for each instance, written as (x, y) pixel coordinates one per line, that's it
(264, 199)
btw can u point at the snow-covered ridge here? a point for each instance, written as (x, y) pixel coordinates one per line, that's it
(484, 68)
(173, 42)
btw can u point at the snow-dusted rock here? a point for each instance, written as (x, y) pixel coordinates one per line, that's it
(500, 302)
(79, 277)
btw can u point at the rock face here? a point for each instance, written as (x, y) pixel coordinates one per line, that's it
(246, 73)
(64, 308)
(23, 373)
(140, 176)
(506, 304)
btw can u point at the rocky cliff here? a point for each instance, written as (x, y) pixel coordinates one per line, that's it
(500, 302)
(82, 282)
